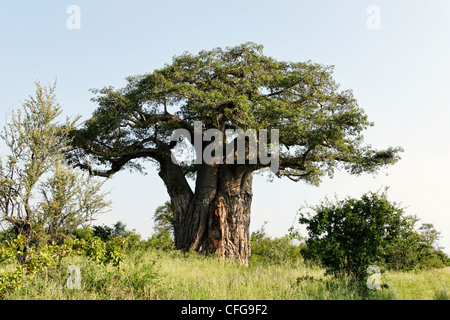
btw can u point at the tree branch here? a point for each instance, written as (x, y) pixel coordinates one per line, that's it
(118, 163)
(165, 117)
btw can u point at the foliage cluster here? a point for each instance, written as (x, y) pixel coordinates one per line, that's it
(278, 250)
(41, 196)
(231, 88)
(350, 235)
(29, 261)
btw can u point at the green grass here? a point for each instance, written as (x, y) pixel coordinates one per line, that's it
(154, 274)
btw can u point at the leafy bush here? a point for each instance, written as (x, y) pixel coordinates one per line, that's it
(350, 235)
(83, 233)
(130, 239)
(32, 260)
(415, 250)
(161, 241)
(106, 233)
(7, 234)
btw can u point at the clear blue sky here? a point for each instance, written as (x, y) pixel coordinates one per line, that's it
(399, 74)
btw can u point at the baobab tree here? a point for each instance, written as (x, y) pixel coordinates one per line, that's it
(319, 129)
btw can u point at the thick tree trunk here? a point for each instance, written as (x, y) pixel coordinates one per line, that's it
(216, 217)
(229, 215)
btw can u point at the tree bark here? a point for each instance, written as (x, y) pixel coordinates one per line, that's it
(216, 217)
(229, 214)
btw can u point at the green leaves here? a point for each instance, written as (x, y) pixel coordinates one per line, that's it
(234, 88)
(350, 235)
(105, 252)
(48, 256)
(40, 194)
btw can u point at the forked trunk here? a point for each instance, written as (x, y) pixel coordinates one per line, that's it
(216, 217)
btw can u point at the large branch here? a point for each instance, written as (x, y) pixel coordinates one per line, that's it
(117, 164)
(364, 161)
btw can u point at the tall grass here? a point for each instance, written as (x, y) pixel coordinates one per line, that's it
(153, 274)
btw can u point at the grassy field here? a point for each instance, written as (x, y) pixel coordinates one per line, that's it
(153, 274)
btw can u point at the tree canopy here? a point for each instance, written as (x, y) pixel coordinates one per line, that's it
(320, 127)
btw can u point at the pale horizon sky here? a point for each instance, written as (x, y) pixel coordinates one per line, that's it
(399, 74)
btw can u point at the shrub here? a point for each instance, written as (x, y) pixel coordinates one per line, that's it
(33, 260)
(161, 241)
(131, 240)
(350, 235)
(267, 250)
(413, 250)
(83, 233)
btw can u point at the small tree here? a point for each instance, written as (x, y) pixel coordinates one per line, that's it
(163, 238)
(403, 253)
(429, 235)
(103, 232)
(106, 233)
(163, 218)
(42, 197)
(277, 250)
(350, 235)
(415, 248)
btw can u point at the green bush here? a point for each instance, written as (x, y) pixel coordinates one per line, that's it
(267, 250)
(7, 235)
(161, 241)
(350, 235)
(35, 260)
(130, 240)
(83, 233)
(410, 252)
